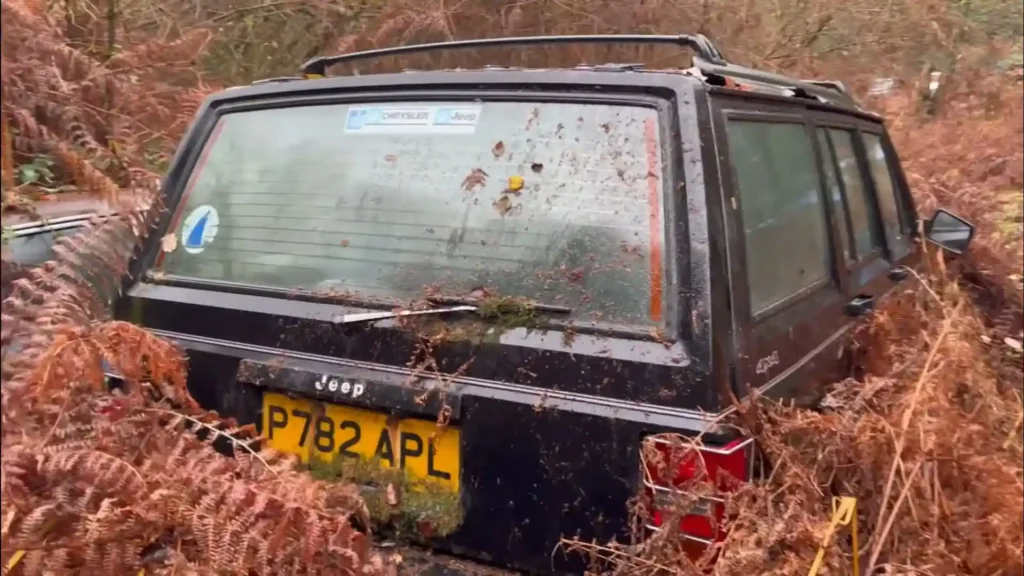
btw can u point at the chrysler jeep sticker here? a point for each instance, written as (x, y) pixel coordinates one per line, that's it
(412, 120)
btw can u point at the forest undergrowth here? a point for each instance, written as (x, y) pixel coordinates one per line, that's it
(928, 439)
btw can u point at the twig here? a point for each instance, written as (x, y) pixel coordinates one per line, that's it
(60, 415)
(60, 349)
(1013, 430)
(575, 544)
(219, 433)
(892, 518)
(178, 550)
(905, 424)
(929, 289)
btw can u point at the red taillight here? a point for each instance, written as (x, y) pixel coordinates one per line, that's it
(673, 467)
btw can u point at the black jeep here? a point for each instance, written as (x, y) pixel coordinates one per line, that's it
(499, 282)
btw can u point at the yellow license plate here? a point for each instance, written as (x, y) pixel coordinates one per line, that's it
(322, 432)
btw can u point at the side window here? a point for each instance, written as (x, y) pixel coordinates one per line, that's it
(22, 253)
(867, 233)
(787, 247)
(842, 217)
(884, 186)
(34, 249)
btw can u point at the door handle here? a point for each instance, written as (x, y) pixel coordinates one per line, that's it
(860, 305)
(899, 273)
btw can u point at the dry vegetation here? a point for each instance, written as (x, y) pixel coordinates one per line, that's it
(929, 442)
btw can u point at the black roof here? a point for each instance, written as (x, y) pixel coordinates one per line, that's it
(709, 64)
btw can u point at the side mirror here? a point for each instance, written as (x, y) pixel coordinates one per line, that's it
(949, 231)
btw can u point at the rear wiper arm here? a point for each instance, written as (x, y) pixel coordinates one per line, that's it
(374, 316)
(456, 304)
(539, 306)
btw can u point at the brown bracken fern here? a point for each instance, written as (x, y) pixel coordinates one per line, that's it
(113, 481)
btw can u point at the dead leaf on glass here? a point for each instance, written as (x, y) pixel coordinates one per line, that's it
(515, 184)
(534, 115)
(1013, 343)
(503, 204)
(169, 243)
(477, 178)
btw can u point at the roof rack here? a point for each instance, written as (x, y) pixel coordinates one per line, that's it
(317, 67)
(830, 91)
(831, 85)
(276, 80)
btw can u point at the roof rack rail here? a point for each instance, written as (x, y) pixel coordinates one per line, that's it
(276, 80)
(317, 67)
(828, 90)
(831, 85)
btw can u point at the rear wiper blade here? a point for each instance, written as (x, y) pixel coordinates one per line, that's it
(539, 306)
(374, 316)
(455, 304)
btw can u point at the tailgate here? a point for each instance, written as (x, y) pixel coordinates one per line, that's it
(493, 470)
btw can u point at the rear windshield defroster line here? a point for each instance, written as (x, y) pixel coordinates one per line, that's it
(555, 202)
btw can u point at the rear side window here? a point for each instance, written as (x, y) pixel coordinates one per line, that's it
(23, 252)
(34, 249)
(835, 189)
(879, 165)
(782, 209)
(556, 202)
(867, 235)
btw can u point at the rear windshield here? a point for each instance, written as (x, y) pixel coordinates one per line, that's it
(557, 202)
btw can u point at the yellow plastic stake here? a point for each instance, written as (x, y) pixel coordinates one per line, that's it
(18, 555)
(15, 558)
(844, 513)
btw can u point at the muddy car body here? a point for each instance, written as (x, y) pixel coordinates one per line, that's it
(300, 206)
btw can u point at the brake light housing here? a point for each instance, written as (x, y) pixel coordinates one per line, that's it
(674, 468)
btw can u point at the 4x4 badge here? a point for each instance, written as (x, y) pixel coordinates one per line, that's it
(767, 363)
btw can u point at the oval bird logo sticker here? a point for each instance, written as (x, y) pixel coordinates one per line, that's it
(199, 229)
